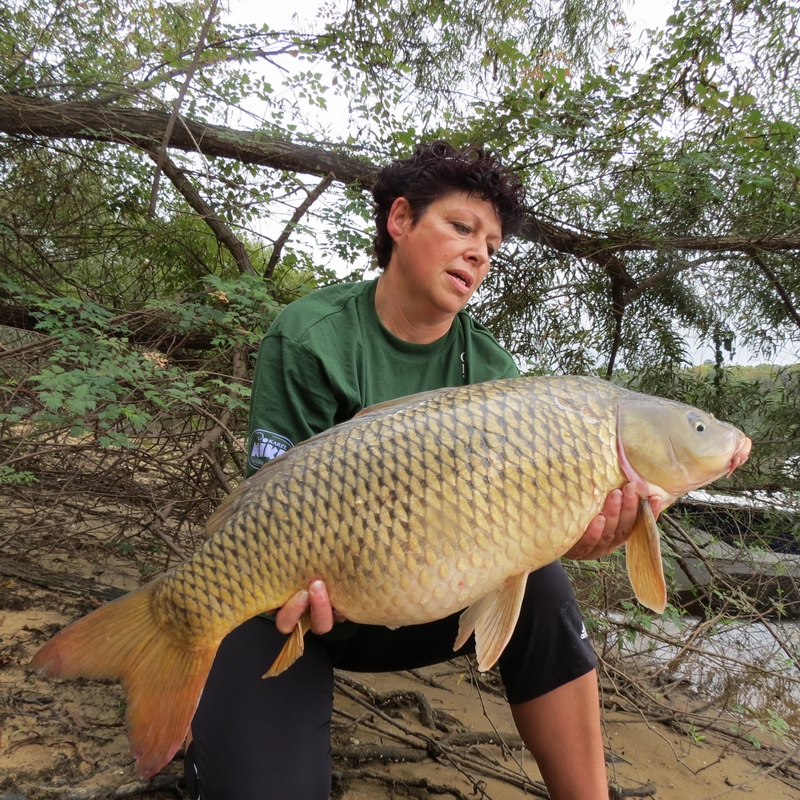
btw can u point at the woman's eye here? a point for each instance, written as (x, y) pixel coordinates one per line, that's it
(461, 228)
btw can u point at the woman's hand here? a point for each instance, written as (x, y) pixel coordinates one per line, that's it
(323, 615)
(611, 528)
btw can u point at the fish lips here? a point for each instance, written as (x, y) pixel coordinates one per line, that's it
(741, 455)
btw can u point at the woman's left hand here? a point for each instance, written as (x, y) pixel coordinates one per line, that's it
(611, 528)
(314, 599)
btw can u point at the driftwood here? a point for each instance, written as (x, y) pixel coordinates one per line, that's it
(424, 786)
(158, 783)
(57, 581)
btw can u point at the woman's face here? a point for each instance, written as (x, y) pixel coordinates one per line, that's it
(444, 258)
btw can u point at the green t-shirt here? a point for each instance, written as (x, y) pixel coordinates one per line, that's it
(327, 356)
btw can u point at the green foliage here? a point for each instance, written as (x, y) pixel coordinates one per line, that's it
(94, 381)
(662, 175)
(10, 476)
(689, 130)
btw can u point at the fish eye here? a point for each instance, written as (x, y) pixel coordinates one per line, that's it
(696, 422)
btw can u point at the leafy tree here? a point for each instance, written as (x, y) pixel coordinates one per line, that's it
(172, 179)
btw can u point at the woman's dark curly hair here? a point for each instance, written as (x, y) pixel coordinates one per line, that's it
(438, 169)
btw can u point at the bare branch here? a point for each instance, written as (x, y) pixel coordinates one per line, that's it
(292, 224)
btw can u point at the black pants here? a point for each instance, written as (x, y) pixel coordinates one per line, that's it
(258, 739)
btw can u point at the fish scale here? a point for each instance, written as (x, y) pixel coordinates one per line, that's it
(419, 494)
(410, 512)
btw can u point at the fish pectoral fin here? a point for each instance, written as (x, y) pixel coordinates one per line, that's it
(493, 619)
(469, 617)
(643, 559)
(292, 649)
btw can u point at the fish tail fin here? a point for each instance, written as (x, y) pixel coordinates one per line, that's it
(643, 560)
(162, 678)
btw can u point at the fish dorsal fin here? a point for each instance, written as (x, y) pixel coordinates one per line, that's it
(231, 504)
(493, 619)
(643, 559)
(381, 409)
(233, 501)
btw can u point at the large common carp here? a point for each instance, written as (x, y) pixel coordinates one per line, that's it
(411, 511)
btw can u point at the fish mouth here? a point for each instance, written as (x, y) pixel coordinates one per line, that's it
(741, 454)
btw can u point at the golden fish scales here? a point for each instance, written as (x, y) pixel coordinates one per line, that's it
(408, 517)
(410, 512)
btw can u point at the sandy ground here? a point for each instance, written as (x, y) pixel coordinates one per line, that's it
(437, 732)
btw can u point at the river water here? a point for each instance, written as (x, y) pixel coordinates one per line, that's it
(749, 666)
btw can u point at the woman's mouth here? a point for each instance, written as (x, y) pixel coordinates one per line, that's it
(462, 281)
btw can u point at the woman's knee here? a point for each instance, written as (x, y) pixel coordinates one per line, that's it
(262, 738)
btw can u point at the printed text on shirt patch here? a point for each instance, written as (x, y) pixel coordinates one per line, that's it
(264, 446)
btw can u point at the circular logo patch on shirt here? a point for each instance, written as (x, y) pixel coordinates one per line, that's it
(264, 446)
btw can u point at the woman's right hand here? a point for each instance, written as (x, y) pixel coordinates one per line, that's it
(323, 615)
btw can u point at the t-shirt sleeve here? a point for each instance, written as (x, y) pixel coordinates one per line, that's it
(292, 399)
(509, 370)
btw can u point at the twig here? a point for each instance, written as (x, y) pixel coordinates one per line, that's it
(156, 529)
(162, 153)
(296, 217)
(434, 684)
(788, 757)
(491, 721)
(719, 656)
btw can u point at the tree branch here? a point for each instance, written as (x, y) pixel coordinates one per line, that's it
(153, 331)
(779, 287)
(296, 217)
(224, 235)
(655, 279)
(26, 116)
(162, 151)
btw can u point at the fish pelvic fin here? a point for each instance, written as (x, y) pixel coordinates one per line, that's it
(643, 560)
(493, 619)
(292, 649)
(162, 678)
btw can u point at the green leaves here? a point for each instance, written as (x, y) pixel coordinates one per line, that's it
(95, 381)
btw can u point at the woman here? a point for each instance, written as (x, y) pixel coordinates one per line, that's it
(440, 216)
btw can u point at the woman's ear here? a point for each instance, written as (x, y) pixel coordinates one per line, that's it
(400, 218)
